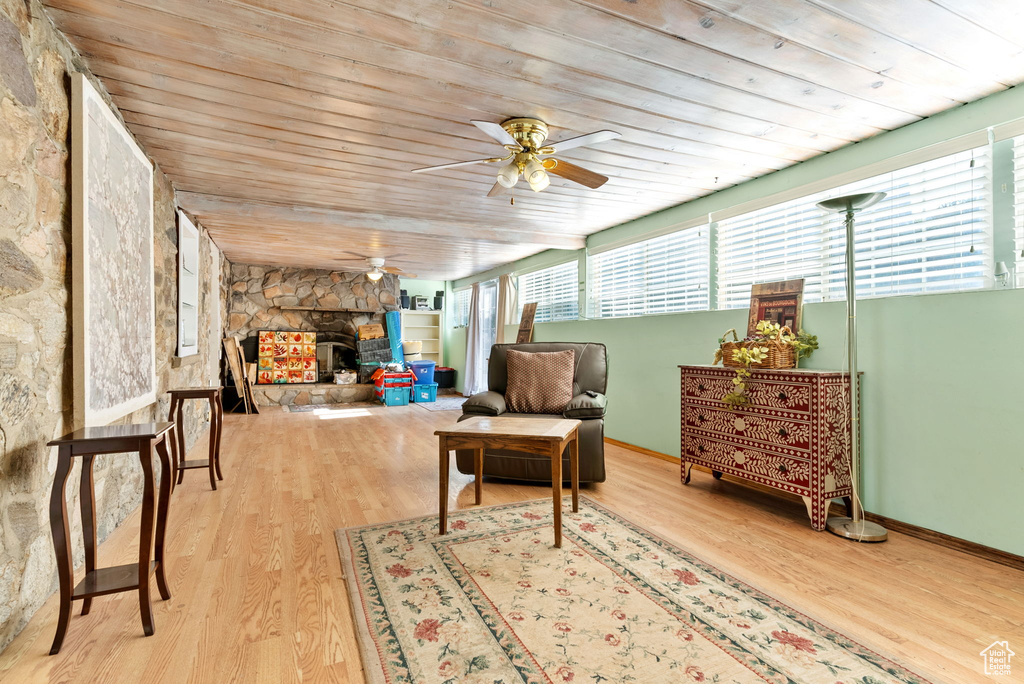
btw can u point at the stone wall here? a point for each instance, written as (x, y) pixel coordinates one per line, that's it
(259, 292)
(35, 315)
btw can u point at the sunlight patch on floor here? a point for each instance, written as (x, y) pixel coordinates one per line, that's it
(331, 414)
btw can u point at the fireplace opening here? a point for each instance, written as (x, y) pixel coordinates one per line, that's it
(332, 356)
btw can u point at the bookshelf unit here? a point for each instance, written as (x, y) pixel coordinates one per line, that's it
(428, 328)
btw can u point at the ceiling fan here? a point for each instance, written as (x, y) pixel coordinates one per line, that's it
(528, 156)
(376, 268)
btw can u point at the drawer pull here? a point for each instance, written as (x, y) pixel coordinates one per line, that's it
(701, 388)
(700, 448)
(783, 432)
(701, 418)
(783, 468)
(782, 396)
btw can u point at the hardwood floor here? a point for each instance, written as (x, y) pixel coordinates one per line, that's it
(257, 591)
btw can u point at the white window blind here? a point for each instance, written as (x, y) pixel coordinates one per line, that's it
(1018, 207)
(932, 233)
(460, 317)
(662, 275)
(556, 291)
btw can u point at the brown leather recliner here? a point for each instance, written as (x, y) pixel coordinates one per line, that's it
(591, 374)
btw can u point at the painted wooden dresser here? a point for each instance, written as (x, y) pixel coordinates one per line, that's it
(794, 435)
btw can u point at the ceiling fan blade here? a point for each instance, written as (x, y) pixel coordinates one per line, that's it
(497, 132)
(454, 164)
(576, 174)
(364, 257)
(409, 275)
(392, 269)
(498, 189)
(581, 140)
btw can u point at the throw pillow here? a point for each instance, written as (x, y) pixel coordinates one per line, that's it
(539, 382)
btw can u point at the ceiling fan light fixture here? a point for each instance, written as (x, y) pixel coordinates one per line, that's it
(539, 181)
(525, 139)
(508, 175)
(374, 275)
(535, 175)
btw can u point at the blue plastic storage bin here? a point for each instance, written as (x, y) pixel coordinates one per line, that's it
(424, 394)
(394, 396)
(424, 371)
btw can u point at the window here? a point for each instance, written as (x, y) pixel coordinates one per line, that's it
(460, 316)
(932, 233)
(188, 287)
(661, 275)
(556, 291)
(1018, 207)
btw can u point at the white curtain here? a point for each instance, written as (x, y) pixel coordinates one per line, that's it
(507, 306)
(477, 347)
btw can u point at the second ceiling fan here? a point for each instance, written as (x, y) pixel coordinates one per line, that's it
(374, 267)
(529, 157)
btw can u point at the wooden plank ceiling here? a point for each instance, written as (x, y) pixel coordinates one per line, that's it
(289, 127)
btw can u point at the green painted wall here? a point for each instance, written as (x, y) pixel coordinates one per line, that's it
(454, 340)
(943, 442)
(943, 436)
(418, 286)
(455, 355)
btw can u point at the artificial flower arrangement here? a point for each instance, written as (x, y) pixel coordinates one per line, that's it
(771, 346)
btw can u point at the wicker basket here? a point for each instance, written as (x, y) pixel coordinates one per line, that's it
(780, 354)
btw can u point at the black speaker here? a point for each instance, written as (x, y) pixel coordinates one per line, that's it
(439, 300)
(403, 298)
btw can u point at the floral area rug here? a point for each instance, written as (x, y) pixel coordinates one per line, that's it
(493, 602)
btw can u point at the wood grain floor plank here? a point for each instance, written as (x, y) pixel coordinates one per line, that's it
(258, 593)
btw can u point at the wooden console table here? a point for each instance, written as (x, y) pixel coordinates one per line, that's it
(87, 443)
(793, 436)
(177, 415)
(544, 436)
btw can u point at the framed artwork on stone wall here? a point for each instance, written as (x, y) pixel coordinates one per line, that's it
(113, 297)
(286, 357)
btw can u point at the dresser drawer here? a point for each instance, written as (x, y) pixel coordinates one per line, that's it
(785, 472)
(778, 431)
(764, 394)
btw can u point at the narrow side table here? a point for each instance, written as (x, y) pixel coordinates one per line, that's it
(87, 443)
(177, 416)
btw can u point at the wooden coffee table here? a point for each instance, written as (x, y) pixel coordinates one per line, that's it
(543, 436)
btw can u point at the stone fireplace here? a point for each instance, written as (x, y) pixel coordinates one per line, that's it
(331, 303)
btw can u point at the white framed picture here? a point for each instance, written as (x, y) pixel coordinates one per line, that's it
(188, 286)
(114, 319)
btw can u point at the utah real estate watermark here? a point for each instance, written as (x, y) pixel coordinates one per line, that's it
(997, 658)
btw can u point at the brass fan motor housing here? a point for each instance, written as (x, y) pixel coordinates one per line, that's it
(530, 133)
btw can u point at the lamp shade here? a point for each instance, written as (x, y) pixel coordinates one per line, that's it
(374, 275)
(852, 202)
(535, 175)
(508, 175)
